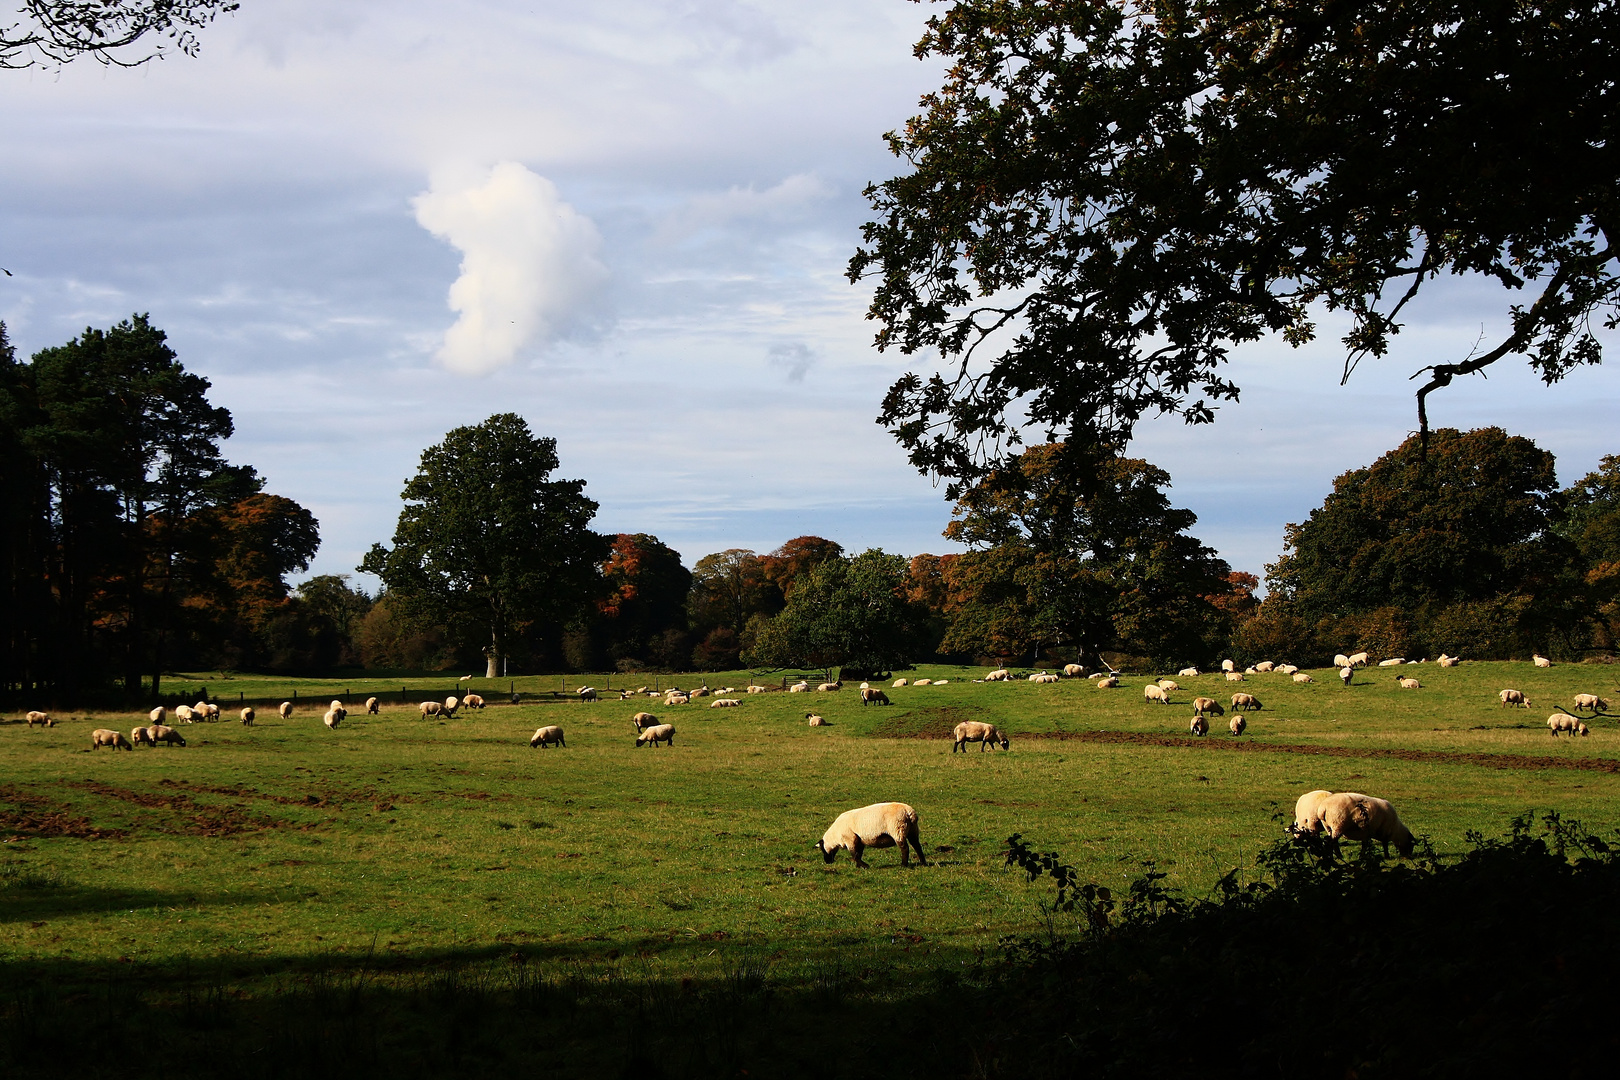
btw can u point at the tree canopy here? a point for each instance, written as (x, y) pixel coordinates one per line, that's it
(1104, 198)
(55, 32)
(849, 613)
(487, 537)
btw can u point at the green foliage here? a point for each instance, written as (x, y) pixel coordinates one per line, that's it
(849, 613)
(486, 536)
(1102, 199)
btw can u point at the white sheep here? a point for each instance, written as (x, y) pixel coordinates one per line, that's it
(1246, 701)
(1409, 684)
(1513, 697)
(870, 696)
(429, 708)
(1202, 705)
(1564, 722)
(333, 718)
(469, 701)
(207, 709)
(756, 689)
(799, 688)
(1199, 726)
(1108, 682)
(286, 709)
(167, 735)
(1449, 661)
(587, 693)
(658, 733)
(941, 682)
(998, 675)
(1302, 678)
(829, 687)
(1349, 815)
(1540, 661)
(643, 721)
(1227, 665)
(373, 706)
(676, 699)
(1394, 661)
(922, 682)
(1043, 677)
(1237, 724)
(881, 825)
(1155, 692)
(1308, 811)
(986, 735)
(183, 713)
(1234, 676)
(897, 684)
(1287, 669)
(724, 703)
(544, 737)
(158, 715)
(814, 721)
(1345, 673)
(1357, 659)
(141, 736)
(451, 704)
(108, 737)
(1169, 684)
(42, 719)
(1188, 672)
(247, 716)
(1582, 701)
(1073, 670)
(1341, 660)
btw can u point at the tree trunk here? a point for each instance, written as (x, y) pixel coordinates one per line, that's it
(494, 652)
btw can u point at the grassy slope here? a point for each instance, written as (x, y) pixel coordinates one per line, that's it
(286, 842)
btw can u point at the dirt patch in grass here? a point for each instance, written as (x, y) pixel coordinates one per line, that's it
(934, 722)
(316, 800)
(37, 816)
(1449, 757)
(185, 815)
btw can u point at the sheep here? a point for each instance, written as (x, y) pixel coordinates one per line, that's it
(813, 720)
(1302, 678)
(1341, 660)
(587, 693)
(1199, 726)
(643, 721)
(333, 718)
(724, 703)
(42, 719)
(1227, 665)
(1245, 701)
(1108, 683)
(829, 687)
(1513, 697)
(1202, 705)
(451, 704)
(941, 682)
(141, 736)
(1154, 692)
(108, 737)
(248, 716)
(1234, 676)
(183, 712)
(207, 710)
(1449, 661)
(1357, 660)
(1349, 815)
(1540, 661)
(286, 709)
(1073, 670)
(998, 675)
(544, 737)
(1582, 701)
(1308, 811)
(1287, 669)
(1409, 684)
(1188, 672)
(1564, 722)
(1345, 673)
(754, 688)
(429, 708)
(676, 699)
(158, 715)
(1237, 725)
(1169, 684)
(160, 734)
(469, 701)
(1394, 661)
(873, 697)
(881, 825)
(898, 683)
(702, 691)
(986, 735)
(922, 682)
(1043, 677)
(373, 706)
(658, 733)
(799, 688)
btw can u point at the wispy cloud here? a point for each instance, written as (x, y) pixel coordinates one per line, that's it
(794, 359)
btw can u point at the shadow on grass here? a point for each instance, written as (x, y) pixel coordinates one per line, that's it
(48, 902)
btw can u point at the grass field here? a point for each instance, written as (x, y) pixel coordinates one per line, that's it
(287, 847)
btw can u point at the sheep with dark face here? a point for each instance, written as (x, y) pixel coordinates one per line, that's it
(373, 706)
(1199, 725)
(881, 825)
(874, 697)
(166, 735)
(248, 716)
(1349, 815)
(108, 737)
(1246, 701)
(42, 719)
(1202, 705)
(658, 733)
(643, 721)
(986, 735)
(544, 737)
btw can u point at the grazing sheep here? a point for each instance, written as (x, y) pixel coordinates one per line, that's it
(1409, 684)
(587, 693)
(1073, 670)
(1108, 682)
(184, 713)
(544, 737)
(1234, 676)
(881, 825)
(1199, 726)
(724, 703)
(429, 708)
(1154, 692)
(1358, 660)
(333, 718)
(922, 682)
(373, 706)
(1582, 701)
(643, 721)
(158, 715)
(1341, 660)
(1349, 815)
(898, 683)
(206, 710)
(829, 687)
(1345, 673)
(986, 735)
(1227, 665)
(1237, 725)
(1246, 701)
(471, 701)
(1302, 678)
(870, 696)
(1308, 811)
(998, 675)
(248, 716)
(1514, 697)
(658, 733)
(1169, 684)
(167, 735)
(108, 737)
(140, 736)
(286, 709)
(1202, 705)
(1540, 661)
(1188, 672)
(814, 721)
(799, 688)
(451, 704)
(1287, 669)
(42, 719)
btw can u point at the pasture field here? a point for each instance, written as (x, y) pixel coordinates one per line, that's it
(275, 851)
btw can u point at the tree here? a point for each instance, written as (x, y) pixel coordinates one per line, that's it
(647, 594)
(56, 32)
(1470, 523)
(796, 558)
(727, 588)
(1104, 198)
(487, 536)
(1592, 523)
(849, 613)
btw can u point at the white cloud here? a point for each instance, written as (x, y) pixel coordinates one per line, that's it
(795, 359)
(530, 268)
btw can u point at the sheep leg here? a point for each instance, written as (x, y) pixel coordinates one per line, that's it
(855, 850)
(911, 838)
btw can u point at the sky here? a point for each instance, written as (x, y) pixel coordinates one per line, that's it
(368, 223)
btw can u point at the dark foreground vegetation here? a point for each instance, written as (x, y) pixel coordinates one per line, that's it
(1329, 963)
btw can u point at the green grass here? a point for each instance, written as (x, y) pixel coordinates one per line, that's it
(287, 844)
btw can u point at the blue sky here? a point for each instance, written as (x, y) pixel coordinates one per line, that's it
(368, 223)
